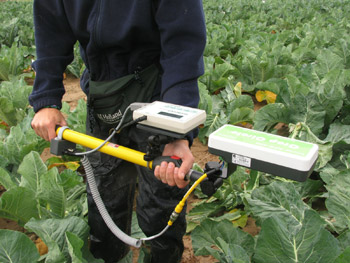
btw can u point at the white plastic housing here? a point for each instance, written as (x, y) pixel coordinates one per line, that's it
(170, 117)
(255, 149)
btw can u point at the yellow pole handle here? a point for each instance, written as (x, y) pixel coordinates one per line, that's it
(115, 150)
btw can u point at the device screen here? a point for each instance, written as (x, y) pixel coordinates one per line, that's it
(170, 114)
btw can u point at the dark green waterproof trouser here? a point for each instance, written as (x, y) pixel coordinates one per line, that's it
(116, 180)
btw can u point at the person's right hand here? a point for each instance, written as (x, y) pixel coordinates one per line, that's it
(45, 121)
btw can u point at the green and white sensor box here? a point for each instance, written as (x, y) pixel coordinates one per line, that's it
(277, 155)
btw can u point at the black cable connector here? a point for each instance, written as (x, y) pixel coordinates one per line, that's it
(142, 118)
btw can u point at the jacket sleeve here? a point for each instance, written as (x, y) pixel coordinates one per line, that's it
(54, 42)
(183, 38)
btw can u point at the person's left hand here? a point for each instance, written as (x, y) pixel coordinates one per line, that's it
(167, 172)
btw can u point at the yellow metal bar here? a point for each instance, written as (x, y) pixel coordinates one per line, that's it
(112, 149)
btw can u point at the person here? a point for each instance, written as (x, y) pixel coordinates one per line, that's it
(118, 38)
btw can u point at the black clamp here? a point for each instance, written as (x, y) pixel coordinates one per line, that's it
(215, 176)
(59, 146)
(155, 143)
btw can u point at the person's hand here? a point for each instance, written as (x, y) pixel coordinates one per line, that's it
(45, 121)
(167, 172)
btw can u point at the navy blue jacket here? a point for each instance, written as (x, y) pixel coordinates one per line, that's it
(116, 37)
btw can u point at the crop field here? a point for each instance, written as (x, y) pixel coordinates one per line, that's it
(278, 66)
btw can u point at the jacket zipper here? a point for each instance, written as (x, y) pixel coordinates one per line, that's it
(96, 35)
(97, 22)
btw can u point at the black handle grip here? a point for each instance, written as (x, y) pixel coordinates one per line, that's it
(192, 175)
(170, 159)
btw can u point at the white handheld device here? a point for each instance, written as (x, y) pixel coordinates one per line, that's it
(170, 117)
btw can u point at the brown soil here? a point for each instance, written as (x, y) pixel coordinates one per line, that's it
(73, 91)
(200, 152)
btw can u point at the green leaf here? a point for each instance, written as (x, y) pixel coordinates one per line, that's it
(21, 141)
(231, 216)
(327, 61)
(344, 257)
(257, 67)
(228, 94)
(77, 66)
(77, 118)
(53, 233)
(6, 180)
(210, 233)
(16, 91)
(32, 169)
(342, 49)
(268, 116)
(218, 104)
(308, 189)
(4, 68)
(338, 201)
(332, 85)
(75, 193)
(75, 245)
(241, 115)
(254, 179)
(69, 179)
(17, 247)
(232, 253)
(78, 251)
(212, 123)
(324, 155)
(7, 111)
(19, 204)
(12, 60)
(308, 110)
(204, 210)
(277, 198)
(205, 102)
(327, 173)
(53, 193)
(338, 135)
(295, 86)
(220, 75)
(144, 256)
(344, 240)
(136, 231)
(338, 132)
(241, 101)
(331, 93)
(309, 242)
